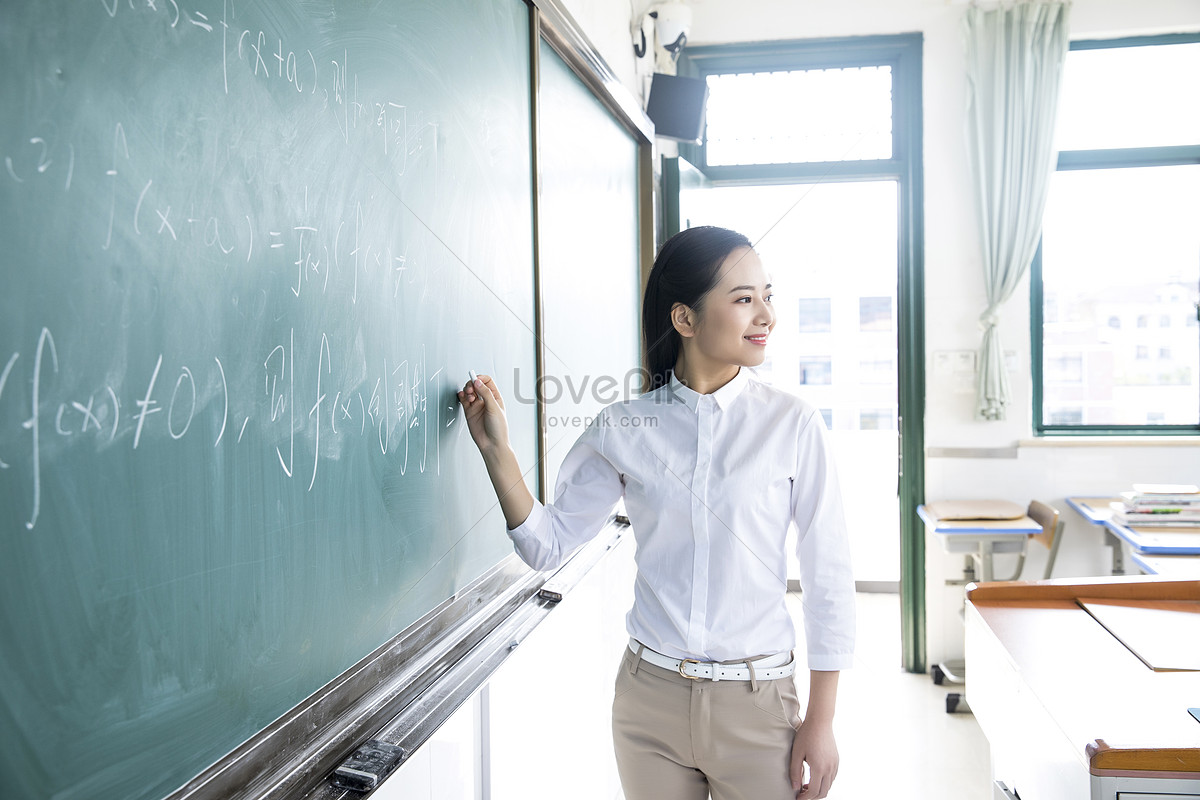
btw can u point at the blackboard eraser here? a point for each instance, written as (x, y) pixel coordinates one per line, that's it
(549, 594)
(368, 766)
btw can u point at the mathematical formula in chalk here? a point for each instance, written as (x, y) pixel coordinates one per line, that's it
(399, 408)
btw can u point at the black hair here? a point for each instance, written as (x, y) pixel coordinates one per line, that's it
(687, 267)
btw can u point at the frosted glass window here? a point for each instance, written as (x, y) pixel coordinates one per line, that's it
(799, 116)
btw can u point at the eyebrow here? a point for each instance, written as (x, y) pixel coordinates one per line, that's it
(746, 288)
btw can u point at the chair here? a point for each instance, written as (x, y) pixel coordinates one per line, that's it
(1051, 536)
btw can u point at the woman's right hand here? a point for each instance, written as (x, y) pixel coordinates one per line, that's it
(484, 409)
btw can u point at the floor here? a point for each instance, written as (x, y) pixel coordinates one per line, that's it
(894, 735)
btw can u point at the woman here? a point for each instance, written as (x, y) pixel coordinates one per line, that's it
(713, 466)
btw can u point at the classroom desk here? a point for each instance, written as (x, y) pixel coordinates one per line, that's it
(1158, 540)
(1069, 711)
(981, 538)
(1096, 511)
(1177, 567)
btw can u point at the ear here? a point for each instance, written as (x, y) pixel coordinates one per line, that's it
(684, 319)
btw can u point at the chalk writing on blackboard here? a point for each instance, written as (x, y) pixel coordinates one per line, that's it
(239, 236)
(397, 409)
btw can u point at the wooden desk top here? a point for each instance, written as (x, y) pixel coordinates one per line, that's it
(1178, 567)
(1162, 540)
(1095, 510)
(996, 527)
(1123, 717)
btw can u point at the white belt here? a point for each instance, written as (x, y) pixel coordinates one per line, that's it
(764, 669)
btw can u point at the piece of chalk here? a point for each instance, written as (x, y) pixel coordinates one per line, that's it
(368, 766)
(474, 377)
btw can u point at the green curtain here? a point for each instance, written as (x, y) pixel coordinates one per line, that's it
(1014, 68)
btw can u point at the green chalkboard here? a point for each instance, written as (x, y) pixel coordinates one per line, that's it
(588, 165)
(249, 251)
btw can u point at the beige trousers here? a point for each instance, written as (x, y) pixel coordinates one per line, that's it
(680, 739)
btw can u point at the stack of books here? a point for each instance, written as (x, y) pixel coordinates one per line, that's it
(1159, 505)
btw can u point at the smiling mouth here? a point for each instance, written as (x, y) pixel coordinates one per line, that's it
(760, 339)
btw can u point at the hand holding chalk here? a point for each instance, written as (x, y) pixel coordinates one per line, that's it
(484, 410)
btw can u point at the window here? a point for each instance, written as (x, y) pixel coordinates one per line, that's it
(817, 145)
(797, 116)
(877, 371)
(1117, 279)
(816, 371)
(877, 419)
(1065, 368)
(815, 315)
(1066, 416)
(875, 313)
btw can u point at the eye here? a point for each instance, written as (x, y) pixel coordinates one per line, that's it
(744, 299)
(770, 298)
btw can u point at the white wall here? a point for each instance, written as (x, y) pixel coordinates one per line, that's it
(542, 726)
(609, 25)
(551, 702)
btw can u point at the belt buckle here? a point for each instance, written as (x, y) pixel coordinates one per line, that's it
(684, 674)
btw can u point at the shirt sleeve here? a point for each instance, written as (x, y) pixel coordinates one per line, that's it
(823, 550)
(587, 492)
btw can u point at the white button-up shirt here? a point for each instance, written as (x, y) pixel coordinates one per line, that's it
(711, 483)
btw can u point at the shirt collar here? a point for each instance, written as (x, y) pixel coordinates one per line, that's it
(724, 396)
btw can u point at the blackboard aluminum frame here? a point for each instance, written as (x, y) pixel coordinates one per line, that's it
(402, 693)
(405, 690)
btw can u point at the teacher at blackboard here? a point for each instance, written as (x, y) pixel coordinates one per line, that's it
(714, 466)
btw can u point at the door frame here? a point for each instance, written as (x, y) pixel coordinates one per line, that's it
(903, 53)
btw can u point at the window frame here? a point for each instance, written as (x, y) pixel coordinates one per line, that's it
(904, 54)
(899, 52)
(1116, 158)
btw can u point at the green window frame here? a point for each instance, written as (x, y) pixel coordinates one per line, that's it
(1119, 158)
(903, 54)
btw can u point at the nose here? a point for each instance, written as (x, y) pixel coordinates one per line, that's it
(765, 316)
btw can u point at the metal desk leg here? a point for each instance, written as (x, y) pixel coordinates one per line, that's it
(1118, 552)
(985, 562)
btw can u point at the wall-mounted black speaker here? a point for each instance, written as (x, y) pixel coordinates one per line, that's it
(676, 107)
